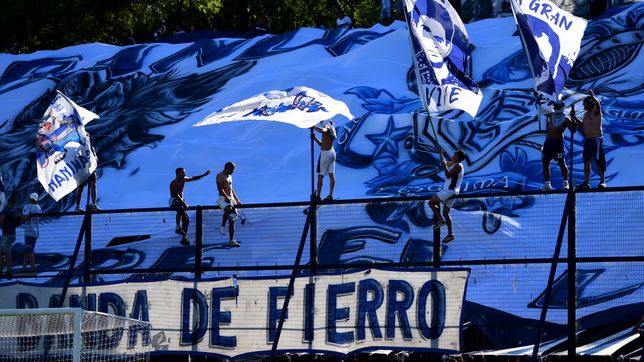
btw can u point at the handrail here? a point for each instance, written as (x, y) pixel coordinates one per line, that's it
(463, 196)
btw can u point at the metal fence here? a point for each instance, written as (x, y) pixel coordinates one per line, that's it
(521, 248)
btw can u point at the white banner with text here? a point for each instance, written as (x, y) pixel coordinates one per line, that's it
(403, 309)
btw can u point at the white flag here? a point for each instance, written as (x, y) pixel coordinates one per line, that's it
(440, 50)
(300, 106)
(64, 154)
(551, 38)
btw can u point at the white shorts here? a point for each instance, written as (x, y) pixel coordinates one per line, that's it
(447, 196)
(221, 202)
(326, 162)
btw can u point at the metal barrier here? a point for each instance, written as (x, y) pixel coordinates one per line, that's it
(538, 239)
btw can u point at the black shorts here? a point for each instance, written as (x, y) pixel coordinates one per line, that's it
(552, 149)
(594, 150)
(179, 208)
(30, 243)
(91, 178)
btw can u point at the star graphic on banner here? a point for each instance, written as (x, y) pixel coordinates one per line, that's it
(387, 142)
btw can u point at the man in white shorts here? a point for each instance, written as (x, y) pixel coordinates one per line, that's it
(227, 201)
(454, 171)
(326, 161)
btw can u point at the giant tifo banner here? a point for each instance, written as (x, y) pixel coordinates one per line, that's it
(149, 96)
(362, 310)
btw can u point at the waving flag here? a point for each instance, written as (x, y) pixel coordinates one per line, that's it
(441, 50)
(300, 106)
(64, 154)
(551, 39)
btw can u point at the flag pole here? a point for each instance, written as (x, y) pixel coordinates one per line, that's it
(527, 55)
(440, 149)
(418, 81)
(312, 164)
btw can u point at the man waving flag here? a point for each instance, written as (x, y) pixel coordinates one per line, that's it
(551, 39)
(441, 50)
(64, 157)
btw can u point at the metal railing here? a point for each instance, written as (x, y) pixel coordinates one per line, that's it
(521, 230)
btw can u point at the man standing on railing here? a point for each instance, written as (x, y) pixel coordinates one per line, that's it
(326, 160)
(178, 204)
(454, 172)
(553, 147)
(227, 201)
(591, 126)
(10, 219)
(91, 183)
(31, 231)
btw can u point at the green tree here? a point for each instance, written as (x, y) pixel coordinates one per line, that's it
(47, 24)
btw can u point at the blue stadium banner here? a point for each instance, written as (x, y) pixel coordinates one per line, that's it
(441, 49)
(64, 153)
(411, 309)
(551, 38)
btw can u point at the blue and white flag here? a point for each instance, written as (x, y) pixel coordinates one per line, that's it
(441, 50)
(551, 39)
(64, 153)
(300, 106)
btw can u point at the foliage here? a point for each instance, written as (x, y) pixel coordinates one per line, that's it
(47, 24)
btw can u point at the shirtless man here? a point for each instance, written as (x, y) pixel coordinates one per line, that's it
(454, 172)
(553, 147)
(326, 161)
(591, 125)
(91, 182)
(178, 204)
(227, 201)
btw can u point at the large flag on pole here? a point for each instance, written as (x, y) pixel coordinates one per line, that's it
(64, 154)
(300, 106)
(551, 38)
(440, 48)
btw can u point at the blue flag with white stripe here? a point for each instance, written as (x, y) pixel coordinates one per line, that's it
(551, 39)
(441, 51)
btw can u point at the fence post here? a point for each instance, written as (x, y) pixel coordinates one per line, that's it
(572, 277)
(313, 254)
(551, 276)
(72, 260)
(436, 258)
(313, 237)
(199, 242)
(291, 285)
(87, 266)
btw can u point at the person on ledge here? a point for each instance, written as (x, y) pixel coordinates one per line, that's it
(326, 160)
(591, 126)
(228, 201)
(553, 146)
(454, 172)
(178, 204)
